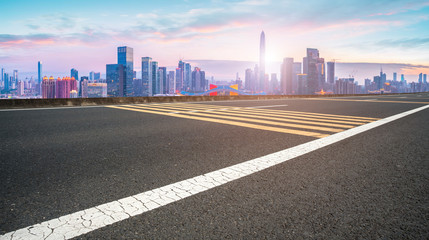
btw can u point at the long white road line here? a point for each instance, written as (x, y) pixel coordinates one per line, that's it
(78, 223)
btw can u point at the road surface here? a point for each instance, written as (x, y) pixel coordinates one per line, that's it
(290, 168)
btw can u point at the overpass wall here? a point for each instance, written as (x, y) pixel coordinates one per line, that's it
(63, 102)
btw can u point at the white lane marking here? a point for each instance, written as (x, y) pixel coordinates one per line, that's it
(90, 219)
(268, 106)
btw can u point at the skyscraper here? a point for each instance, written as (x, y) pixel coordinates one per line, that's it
(286, 77)
(296, 70)
(2, 77)
(39, 79)
(331, 72)
(187, 76)
(147, 76)
(180, 75)
(125, 58)
(15, 77)
(249, 80)
(198, 80)
(115, 77)
(155, 77)
(425, 78)
(262, 62)
(312, 68)
(171, 82)
(48, 87)
(421, 78)
(74, 74)
(162, 73)
(395, 77)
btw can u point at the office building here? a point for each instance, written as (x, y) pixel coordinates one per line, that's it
(155, 78)
(313, 69)
(286, 77)
(297, 69)
(171, 83)
(39, 77)
(20, 88)
(395, 77)
(162, 73)
(125, 58)
(331, 72)
(64, 86)
(187, 76)
(198, 83)
(146, 76)
(262, 62)
(115, 78)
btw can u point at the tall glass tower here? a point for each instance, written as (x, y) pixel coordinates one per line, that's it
(125, 58)
(147, 76)
(262, 61)
(39, 75)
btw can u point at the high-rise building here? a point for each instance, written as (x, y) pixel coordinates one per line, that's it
(262, 62)
(187, 76)
(402, 78)
(125, 58)
(6, 82)
(425, 78)
(249, 81)
(2, 77)
(331, 72)
(15, 77)
(180, 79)
(84, 86)
(155, 77)
(115, 77)
(304, 65)
(162, 72)
(313, 70)
(421, 78)
(39, 75)
(395, 77)
(296, 71)
(91, 76)
(49, 87)
(20, 88)
(74, 74)
(302, 84)
(198, 80)
(65, 86)
(274, 84)
(171, 83)
(286, 76)
(147, 76)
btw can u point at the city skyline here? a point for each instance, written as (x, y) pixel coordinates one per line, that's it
(364, 31)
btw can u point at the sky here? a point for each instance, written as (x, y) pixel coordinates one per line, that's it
(84, 34)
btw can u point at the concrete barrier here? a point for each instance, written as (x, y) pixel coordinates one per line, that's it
(64, 102)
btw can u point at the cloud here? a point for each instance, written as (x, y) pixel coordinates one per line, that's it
(9, 40)
(404, 43)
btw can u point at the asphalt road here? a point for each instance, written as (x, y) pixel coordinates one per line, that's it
(374, 185)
